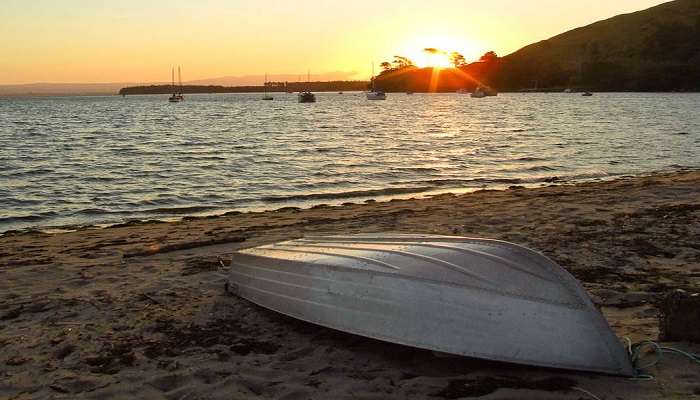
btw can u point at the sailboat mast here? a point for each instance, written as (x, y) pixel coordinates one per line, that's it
(179, 77)
(308, 80)
(372, 78)
(265, 83)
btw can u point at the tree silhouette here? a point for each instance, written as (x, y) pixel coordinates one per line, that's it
(457, 59)
(489, 56)
(402, 62)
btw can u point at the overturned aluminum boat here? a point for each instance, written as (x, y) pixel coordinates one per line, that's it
(473, 297)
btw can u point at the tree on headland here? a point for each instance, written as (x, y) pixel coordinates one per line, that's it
(457, 59)
(399, 63)
(489, 56)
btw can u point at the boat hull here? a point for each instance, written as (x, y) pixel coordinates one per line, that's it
(447, 294)
(375, 96)
(306, 97)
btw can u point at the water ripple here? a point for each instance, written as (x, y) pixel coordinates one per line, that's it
(83, 160)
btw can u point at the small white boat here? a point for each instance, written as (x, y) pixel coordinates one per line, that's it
(472, 297)
(463, 91)
(478, 94)
(587, 94)
(484, 91)
(266, 96)
(375, 94)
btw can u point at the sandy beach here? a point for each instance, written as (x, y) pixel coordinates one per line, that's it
(139, 310)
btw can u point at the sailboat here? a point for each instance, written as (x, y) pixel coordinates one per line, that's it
(375, 94)
(176, 97)
(266, 96)
(306, 96)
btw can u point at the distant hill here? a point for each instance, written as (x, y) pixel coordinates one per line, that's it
(653, 49)
(414, 79)
(657, 49)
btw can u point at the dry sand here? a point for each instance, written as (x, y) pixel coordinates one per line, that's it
(91, 314)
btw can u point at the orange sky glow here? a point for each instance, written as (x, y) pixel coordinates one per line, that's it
(134, 41)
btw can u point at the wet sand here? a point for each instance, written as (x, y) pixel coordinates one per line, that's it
(139, 310)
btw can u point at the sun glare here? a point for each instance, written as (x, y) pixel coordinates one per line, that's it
(435, 60)
(436, 51)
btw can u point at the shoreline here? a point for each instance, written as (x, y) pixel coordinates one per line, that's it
(116, 94)
(338, 200)
(139, 310)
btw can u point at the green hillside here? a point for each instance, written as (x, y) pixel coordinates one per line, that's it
(653, 49)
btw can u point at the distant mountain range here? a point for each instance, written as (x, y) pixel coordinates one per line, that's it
(57, 89)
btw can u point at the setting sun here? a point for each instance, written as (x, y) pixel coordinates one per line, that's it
(439, 59)
(436, 51)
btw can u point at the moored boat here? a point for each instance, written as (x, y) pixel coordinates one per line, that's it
(306, 96)
(374, 93)
(472, 297)
(478, 94)
(266, 96)
(177, 96)
(484, 91)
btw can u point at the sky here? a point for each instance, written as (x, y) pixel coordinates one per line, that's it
(90, 41)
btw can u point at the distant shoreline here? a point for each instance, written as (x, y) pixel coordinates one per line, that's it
(332, 86)
(113, 94)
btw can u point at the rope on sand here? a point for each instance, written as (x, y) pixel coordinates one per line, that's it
(584, 391)
(635, 354)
